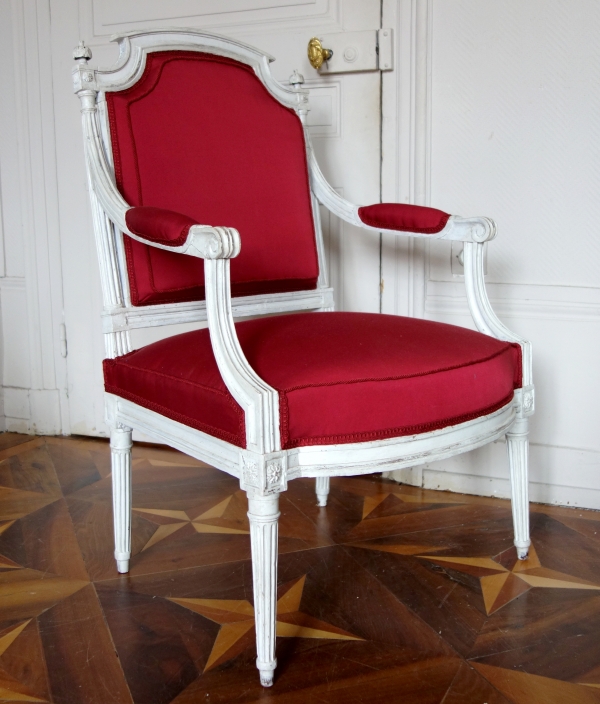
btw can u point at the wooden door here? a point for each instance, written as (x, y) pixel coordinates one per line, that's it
(344, 124)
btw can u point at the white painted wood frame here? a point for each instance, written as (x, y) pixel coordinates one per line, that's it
(263, 467)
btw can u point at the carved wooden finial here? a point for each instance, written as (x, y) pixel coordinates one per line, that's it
(296, 79)
(82, 53)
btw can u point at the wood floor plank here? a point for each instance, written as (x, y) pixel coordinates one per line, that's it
(422, 682)
(73, 463)
(162, 646)
(24, 662)
(469, 687)
(26, 593)
(524, 688)
(391, 593)
(45, 540)
(30, 470)
(15, 503)
(8, 441)
(548, 634)
(83, 667)
(443, 518)
(94, 532)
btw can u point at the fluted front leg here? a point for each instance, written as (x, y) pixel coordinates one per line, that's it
(263, 512)
(517, 443)
(322, 490)
(120, 447)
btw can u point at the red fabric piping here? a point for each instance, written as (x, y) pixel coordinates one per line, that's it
(303, 285)
(394, 432)
(239, 441)
(396, 378)
(179, 380)
(133, 290)
(136, 300)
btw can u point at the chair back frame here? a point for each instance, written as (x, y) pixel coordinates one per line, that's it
(119, 315)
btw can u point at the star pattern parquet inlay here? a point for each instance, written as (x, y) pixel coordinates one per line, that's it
(391, 593)
(236, 618)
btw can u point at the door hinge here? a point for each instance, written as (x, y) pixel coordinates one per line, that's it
(370, 50)
(385, 49)
(63, 340)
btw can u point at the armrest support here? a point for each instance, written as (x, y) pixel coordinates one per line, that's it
(397, 218)
(488, 323)
(259, 400)
(418, 221)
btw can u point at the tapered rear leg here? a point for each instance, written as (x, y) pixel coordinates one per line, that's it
(517, 443)
(322, 487)
(120, 449)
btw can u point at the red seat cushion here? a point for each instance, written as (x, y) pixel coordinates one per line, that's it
(342, 377)
(200, 135)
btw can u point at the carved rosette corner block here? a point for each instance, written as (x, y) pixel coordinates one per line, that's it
(84, 78)
(263, 474)
(526, 398)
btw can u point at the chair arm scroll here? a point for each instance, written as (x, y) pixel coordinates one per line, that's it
(179, 233)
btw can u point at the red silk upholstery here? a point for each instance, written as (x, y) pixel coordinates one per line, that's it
(200, 135)
(159, 225)
(342, 377)
(405, 218)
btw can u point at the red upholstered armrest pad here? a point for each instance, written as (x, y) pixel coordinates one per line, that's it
(405, 218)
(159, 225)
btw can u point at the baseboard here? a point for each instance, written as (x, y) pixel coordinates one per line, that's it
(558, 475)
(32, 411)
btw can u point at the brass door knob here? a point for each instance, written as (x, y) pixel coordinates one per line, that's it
(317, 53)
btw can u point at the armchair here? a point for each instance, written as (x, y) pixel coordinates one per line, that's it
(190, 128)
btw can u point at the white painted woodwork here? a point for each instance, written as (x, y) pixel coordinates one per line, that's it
(30, 287)
(322, 490)
(350, 459)
(518, 457)
(263, 512)
(259, 401)
(263, 468)
(484, 114)
(120, 449)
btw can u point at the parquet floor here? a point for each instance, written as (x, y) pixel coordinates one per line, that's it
(391, 594)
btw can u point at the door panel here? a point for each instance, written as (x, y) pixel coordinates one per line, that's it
(344, 123)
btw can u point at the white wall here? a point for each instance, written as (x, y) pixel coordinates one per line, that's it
(492, 109)
(512, 91)
(32, 370)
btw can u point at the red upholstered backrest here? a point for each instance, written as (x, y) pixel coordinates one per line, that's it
(200, 134)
